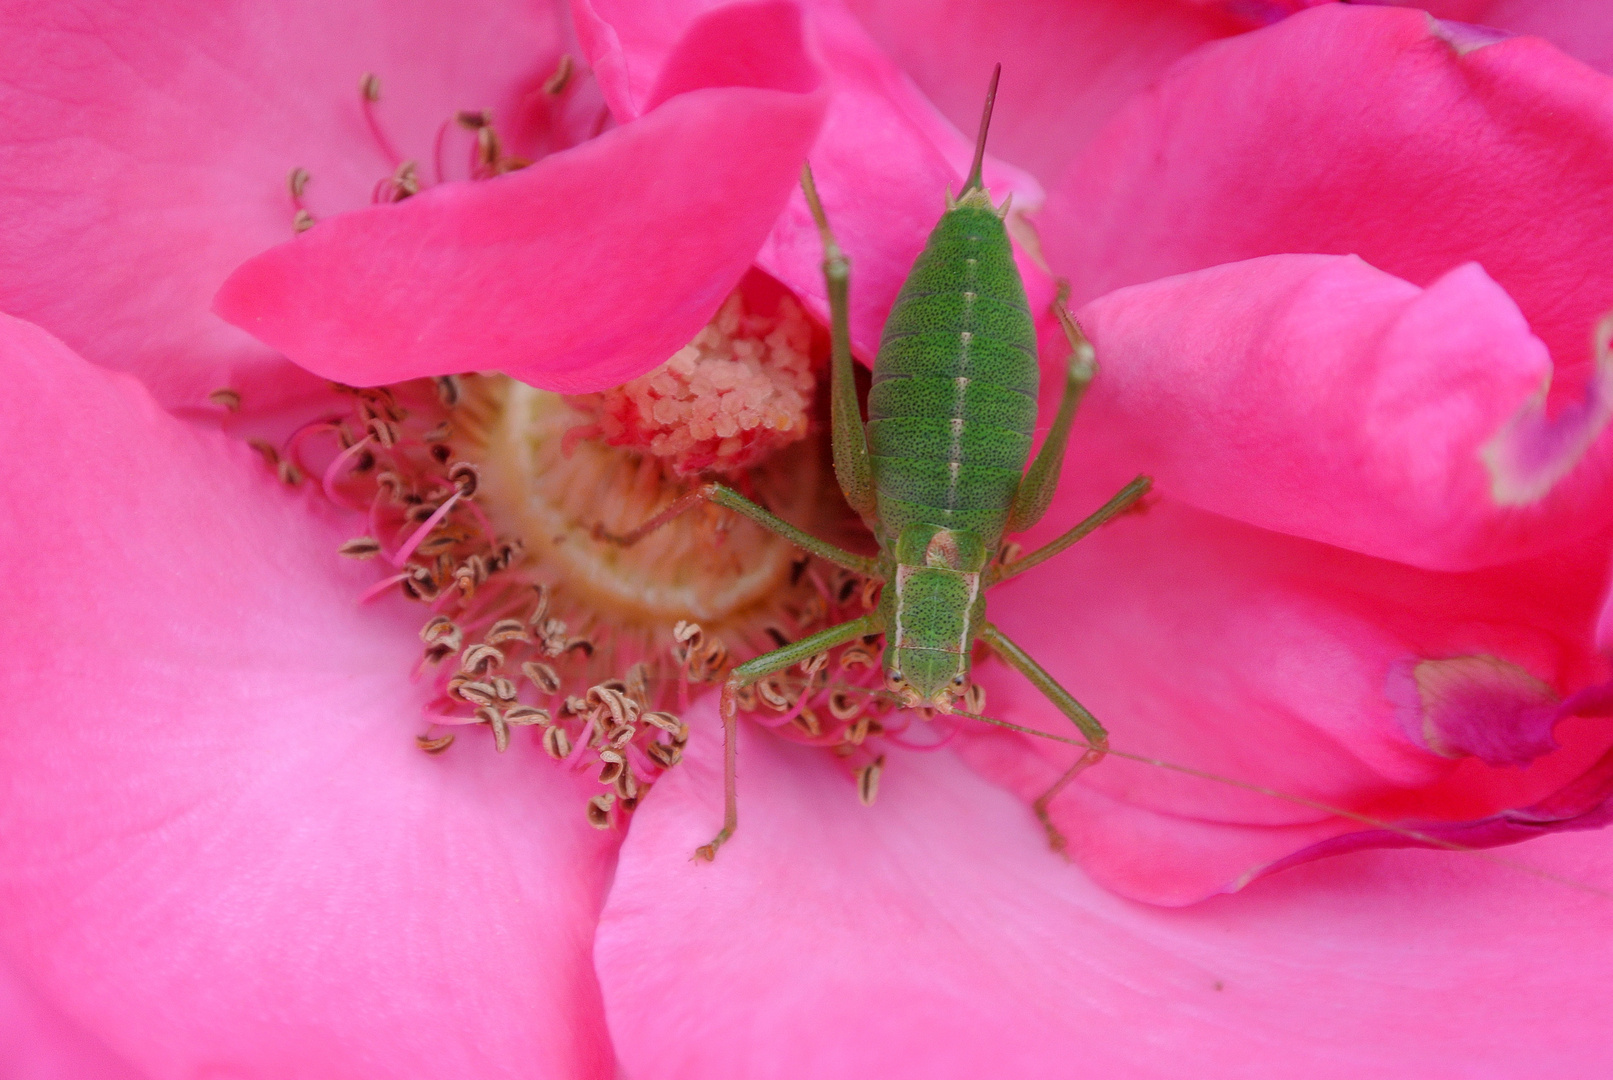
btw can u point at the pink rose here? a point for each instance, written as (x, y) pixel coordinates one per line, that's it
(1328, 266)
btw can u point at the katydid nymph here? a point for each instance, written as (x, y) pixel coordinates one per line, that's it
(938, 474)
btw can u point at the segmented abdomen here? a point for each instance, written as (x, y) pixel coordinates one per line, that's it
(953, 403)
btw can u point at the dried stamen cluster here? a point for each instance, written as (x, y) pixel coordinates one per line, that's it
(509, 645)
(504, 649)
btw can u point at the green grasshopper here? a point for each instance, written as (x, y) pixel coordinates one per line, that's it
(939, 472)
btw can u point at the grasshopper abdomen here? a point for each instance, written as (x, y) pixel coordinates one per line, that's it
(953, 403)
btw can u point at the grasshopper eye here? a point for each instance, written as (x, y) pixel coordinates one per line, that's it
(894, 680)
(958, 680)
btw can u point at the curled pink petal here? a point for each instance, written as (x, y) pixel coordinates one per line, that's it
(1584, 803)
(1320, 397)
(933, 934)
(1581, 28)
(883, 163)
(147, 148)
(211, 768)
(576, 273)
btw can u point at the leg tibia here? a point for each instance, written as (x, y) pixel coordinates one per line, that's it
(744, 675)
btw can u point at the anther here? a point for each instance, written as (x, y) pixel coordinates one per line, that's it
(506, 630)
(477, 693)
(441, 636)
(612, 765)
(848, 589)
(620, 706)
(556, 743)
(481, 659)
(501, 731)
(448, 392)
(627, 788)
(542, 676)
(526, 715)
(420, 584)
(464, 476)
(868, 780)
(599, 810)
(540, 608)
(504, 688)
(405, 182)
(974, 698)
(557, 81)
(434, 746)
(297, 183)
(383, 432)
(663, 720)
(663, 754)
(361, 547)
(226, 399)
(301, 222)
(487, 147)
(845, 705)
(856, 657)
(769, 691)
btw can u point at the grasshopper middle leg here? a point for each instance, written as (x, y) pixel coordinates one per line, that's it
(733, 500)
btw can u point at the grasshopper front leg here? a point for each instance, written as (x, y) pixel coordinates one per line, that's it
(749, 672)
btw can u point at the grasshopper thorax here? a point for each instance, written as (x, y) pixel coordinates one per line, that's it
(933, 609)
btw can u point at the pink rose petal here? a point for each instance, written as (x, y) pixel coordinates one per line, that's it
(38, 1043)
(1282, 663)
(147, 147)
(1067, 67)
(1318, 396)
(224, 854)
(579, 272)
(934, 935)
(883, 162)
(1364, 133)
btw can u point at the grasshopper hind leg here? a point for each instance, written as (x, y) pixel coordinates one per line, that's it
(1055, 839)
(1097, 738)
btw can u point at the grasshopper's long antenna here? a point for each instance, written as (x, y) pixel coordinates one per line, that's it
(980, 139)
(1338, 811)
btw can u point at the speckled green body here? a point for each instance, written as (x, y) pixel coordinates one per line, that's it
(953, 403)
(950, 418)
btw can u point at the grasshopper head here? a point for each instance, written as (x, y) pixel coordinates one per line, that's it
(926, 678)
